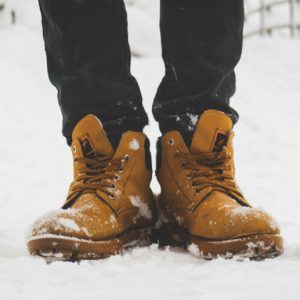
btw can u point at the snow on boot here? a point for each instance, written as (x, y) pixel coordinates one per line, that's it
(110, 205)
(203, 207)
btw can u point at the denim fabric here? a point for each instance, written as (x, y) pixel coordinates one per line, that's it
(88, 57)
(202, 43)
(89, 63)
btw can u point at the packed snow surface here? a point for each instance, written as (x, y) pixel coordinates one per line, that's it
(36, 169)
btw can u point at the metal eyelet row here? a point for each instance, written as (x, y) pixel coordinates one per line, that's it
(117, 177)
(126, 158)
(171, 142)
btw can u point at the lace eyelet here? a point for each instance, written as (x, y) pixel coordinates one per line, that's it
(176, 152)
(183, 164)
(74, 149)
(113, 186)
(126, 157)
(171, 142)
(116, 177)
(189, 177)
(121, 171)
(111, 197)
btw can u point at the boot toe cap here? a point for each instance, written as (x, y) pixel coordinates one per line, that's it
(74, 224)
(234, 222)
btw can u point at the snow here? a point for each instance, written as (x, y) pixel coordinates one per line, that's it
(194, 250)
(56, 236)
(244, 211)
(193, 121)
(112, 219)
(36, 169)
(68, 224)
(144, 210)
(134, 145)
(59, 220)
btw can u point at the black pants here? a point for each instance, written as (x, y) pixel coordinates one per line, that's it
(88, 58)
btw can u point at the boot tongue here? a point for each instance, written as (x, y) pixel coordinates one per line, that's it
(212, 132)
(92, 137)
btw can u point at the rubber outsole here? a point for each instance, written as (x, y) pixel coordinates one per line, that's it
(55, 247)
(255, 247)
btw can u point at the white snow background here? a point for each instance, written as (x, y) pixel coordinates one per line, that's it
(36, 168)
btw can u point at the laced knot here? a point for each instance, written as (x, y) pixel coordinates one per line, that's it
(97, 173)
(210, 170)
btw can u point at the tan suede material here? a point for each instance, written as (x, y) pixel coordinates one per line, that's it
(92, 127)
(194, 195)
(124, 200)
(205, 133)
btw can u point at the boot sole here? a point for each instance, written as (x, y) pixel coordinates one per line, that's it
(57, 247)
(256, 247)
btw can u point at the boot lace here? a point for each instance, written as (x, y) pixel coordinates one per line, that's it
(97, 174)
(211, 170)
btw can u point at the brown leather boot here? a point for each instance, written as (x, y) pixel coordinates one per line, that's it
(201, 201)
(110, 205)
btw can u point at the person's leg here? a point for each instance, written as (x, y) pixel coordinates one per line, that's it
(202, 43)
(89, 63)
(205, 209)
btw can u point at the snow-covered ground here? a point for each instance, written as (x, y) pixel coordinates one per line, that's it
(35, 170)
